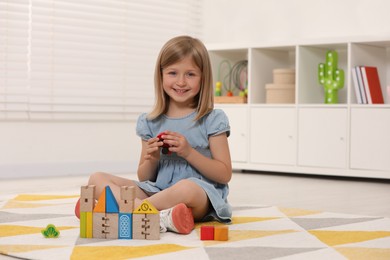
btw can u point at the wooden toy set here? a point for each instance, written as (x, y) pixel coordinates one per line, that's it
(108, 220)
(232, 79)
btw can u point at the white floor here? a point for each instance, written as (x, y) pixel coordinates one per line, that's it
(354, 196)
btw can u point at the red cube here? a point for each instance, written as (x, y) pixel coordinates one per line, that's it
(207, 233)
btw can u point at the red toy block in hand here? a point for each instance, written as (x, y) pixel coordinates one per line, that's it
(165, 147)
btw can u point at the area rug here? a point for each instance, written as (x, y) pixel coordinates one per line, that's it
(257, 232)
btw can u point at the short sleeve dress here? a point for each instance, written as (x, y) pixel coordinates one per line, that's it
(173, 168)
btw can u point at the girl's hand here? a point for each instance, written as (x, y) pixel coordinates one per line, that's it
(153, 149)
(178, 143)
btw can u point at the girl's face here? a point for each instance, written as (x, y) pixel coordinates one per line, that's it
(181, 81)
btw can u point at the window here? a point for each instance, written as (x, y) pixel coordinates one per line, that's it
(85, 60)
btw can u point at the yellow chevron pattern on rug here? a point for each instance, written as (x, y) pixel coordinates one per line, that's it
(257, 232)
(9, 249)
(365, 253)
(123, 252)
(17, 204)
(335, 238)
(14, 230)
(35, 197)
(298, 212)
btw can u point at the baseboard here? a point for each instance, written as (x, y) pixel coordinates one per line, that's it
(35, 170)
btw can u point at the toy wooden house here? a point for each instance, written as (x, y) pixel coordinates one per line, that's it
(110, 220)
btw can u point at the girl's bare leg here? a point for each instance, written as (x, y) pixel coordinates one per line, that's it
(184, 191)
(101, 180)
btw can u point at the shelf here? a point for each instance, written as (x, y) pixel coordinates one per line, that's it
(308, 135)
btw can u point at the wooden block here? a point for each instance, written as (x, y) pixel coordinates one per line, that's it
(128, 192)
(125, 224)
(221, 233)
(99, 225)
(101, 204)
(138, 226)
(111, 204)
(111, 225)
(207, 233)
(146, 226)
(89, 218)
(126, 204)
(87, 191)
(83, 224)
(153, 231)
(146, 208)
(86, 198)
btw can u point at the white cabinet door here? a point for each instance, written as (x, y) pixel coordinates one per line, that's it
(272, 132)
(370, 138)
(238, 133)
(322, 137)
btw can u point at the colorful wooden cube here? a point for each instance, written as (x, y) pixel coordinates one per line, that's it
(221, 233)
(86, 198)
(125, 225)
(207, 233)
(99, 225)
(111, 229)
(126, 204)
(83, 224)
(146, 222)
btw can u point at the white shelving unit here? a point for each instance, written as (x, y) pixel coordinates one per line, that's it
(308, 136)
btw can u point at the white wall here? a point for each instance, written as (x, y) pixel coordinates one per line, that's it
(58, 148)
(267, 21)
(39, 148)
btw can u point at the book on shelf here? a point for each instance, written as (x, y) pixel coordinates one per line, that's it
(372, 85)
(360, 89)
(361, 85)
(357, 85)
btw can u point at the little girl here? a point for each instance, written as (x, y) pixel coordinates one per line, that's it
(189, 180)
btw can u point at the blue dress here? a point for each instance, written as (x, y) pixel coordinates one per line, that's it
(173, 168)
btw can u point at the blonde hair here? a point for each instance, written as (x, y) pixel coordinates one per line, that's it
(173, 51)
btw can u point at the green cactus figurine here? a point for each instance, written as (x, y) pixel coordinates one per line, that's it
(331, 77)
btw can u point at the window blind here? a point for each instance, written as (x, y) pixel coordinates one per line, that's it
(85, 60)
(14, 41)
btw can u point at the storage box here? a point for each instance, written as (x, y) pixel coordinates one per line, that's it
(280, 93)
(284, 76)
